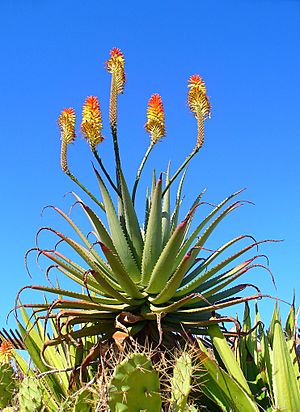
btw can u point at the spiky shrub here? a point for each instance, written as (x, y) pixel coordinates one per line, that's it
(149, 281)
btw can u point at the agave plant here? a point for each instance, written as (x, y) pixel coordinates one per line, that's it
(147, 281)
(260, 371)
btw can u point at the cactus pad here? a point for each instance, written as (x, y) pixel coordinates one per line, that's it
(135, 386)
(181, 382)
(7, 384)
(30, 395)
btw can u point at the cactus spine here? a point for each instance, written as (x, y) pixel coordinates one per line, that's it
(135, 386)
(181, 382)
(7, 384)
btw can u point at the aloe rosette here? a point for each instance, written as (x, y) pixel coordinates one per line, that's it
(145, 280)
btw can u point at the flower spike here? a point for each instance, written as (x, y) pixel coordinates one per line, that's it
(155, 124)
(66, 122)
(6, 349)
(115, 65)
(199, 104)
(91, 124)
(197, 97)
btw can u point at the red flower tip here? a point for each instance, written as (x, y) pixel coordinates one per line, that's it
(155, 124)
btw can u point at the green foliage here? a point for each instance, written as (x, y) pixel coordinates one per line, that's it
(262, 372)
(181, 382)
(80, 402)
(135, 386)
(269, 360)
(53, 388)
(151, 281)
(83, 402)
(226, 387)
(7, 384)
(30, 395)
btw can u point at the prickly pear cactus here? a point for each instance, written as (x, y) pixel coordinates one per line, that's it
(30, 395)
(135, 386)
(7, 384)
(181, 382)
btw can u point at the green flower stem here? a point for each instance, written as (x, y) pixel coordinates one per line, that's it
(117, 156)
(196, 149)
(68, 173)
(99, 160)
(113, 113)
(200, 140)
(65, 168)
(140, 170)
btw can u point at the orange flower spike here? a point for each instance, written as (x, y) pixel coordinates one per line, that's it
(155, 124)
(6, 349)
(91, 124)
(66, 122)
(197, 97)
(116, 66)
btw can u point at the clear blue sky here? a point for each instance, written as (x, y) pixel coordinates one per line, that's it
(52, 56)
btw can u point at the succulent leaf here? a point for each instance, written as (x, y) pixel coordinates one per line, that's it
(117, 234)
(131, 220)
(153, 236)
(286, 389)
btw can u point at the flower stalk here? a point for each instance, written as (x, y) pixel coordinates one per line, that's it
(91, 127)
(200, 106)
(115, 65)
(155, 126)
(100, 162)
(66, 122)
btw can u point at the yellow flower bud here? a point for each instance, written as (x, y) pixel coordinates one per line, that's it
(5, 352)
(115, 66)
(155, 124)
(66, 122)
(91, 124)
(197, 97)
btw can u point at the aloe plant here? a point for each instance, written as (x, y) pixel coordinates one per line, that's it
(149, 281)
